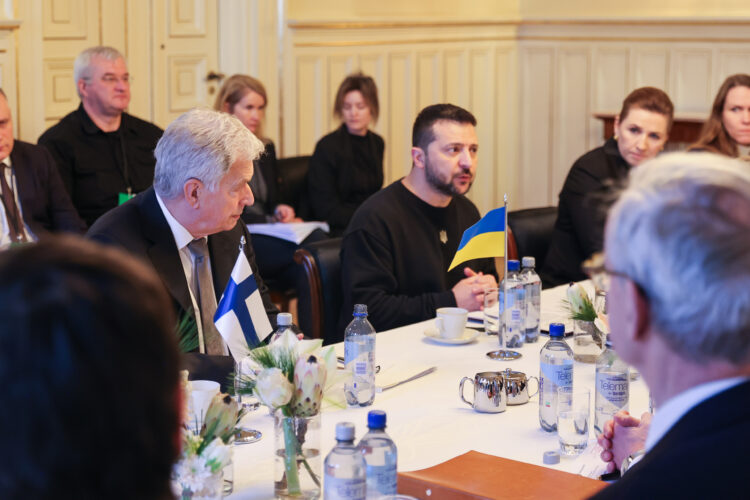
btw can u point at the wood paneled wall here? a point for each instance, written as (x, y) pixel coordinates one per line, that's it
(471, 65)
(570, 70)
(534, 85)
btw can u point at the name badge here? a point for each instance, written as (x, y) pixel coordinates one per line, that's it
(123, 197)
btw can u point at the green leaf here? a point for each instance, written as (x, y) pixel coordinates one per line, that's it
(187, 331)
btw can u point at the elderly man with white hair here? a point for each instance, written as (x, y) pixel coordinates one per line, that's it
(677, 250)
(105, 156)
(188, 224)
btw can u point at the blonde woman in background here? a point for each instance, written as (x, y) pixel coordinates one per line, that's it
(245, 97)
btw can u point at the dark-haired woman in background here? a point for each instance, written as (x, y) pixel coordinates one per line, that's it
(347, 165)
(641, 130)
(727, 129)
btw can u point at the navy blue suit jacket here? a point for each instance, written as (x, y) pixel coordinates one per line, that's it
(704, 455)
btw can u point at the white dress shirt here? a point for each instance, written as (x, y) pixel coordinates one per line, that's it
(182, 238)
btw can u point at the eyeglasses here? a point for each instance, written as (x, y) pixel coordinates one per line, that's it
(113, 79)
(601, 275)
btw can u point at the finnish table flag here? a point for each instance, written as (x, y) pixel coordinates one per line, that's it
(240, 316)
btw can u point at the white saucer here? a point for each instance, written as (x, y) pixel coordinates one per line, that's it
(469, 335)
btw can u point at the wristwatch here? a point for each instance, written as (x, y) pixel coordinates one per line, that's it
(630, 460)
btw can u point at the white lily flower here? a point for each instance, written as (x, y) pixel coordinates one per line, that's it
(217, 455)
(273, 388)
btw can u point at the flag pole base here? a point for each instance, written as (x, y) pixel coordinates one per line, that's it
(504, 355)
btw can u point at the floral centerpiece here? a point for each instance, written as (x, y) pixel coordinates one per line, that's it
(293, 378)
(590, 320)
(206, 448)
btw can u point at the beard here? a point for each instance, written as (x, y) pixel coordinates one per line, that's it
(441, 186)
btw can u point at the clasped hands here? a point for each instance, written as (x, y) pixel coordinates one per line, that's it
(621, 437)
(285, 213)
(469, 292)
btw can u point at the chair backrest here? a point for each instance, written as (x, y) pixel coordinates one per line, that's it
(532, 229)
(323, 298)
(292, 183)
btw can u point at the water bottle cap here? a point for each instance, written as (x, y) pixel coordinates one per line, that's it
(360, 310)
(551, 457)
(556, 330)
(513, 265)
(528, 261)
(345, 431)
(284, 319)
(376, 419)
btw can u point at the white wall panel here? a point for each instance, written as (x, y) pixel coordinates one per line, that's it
(401, 105)
(537, 81)
(611, 77)
(571, 119)
(482, 105)
(651, 68)
(691, 75)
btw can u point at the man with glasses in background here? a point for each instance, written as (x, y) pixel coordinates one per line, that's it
(677, 249)
(105, 156)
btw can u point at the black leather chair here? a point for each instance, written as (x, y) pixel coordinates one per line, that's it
(323, 296)
(532, 230)
(292, 183)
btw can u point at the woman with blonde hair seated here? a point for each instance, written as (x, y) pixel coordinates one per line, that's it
(245, 97)
(727, 128)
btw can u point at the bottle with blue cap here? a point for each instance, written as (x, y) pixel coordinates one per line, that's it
(555, 370)
(514, 317)
(344, 467)
(381, 457)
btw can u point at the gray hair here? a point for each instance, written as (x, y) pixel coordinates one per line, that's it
(83, 61)
(681, 231)
(201, 144)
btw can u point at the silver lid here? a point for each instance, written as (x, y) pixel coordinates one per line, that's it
(528, 262)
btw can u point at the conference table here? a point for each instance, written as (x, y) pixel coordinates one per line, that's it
(426, 418)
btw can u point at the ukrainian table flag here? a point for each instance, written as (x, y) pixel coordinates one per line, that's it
(486, 238)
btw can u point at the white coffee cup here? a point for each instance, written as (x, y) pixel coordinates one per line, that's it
(201, 394)
(451, 322)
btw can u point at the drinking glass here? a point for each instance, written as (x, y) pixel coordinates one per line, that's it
(491, 311)
(573, 410)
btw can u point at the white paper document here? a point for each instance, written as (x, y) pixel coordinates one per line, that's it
(295, 232)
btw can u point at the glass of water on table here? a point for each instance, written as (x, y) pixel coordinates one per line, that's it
(573, 415)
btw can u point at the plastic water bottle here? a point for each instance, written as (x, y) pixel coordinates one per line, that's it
(533, 286)
(381, 456)
(612, 387)
(284, 323)
(344, 467)
(359, 357)
(515, 307)
(555, 370)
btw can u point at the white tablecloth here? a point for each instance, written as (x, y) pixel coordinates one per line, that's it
(426, 418)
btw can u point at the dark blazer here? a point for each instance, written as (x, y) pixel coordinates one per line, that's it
(344, 172)
(265, 166)
(45, 203)
(140, 227)
(704, 455)
(582, 211)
